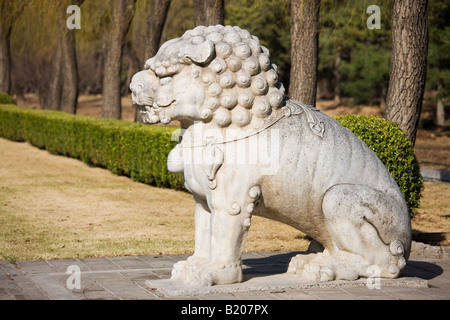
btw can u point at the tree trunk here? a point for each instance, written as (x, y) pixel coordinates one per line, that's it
(5, 61)
(52, 97)
(337, 79)
(209, 12)
(121, 20)
(408, 64)
(440, 110)
(155, 25)
(440, 113)
(9, 11)
(69, 96)
(70, 89)
(304, 50)
(62, 93)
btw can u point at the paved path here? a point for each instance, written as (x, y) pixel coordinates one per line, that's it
(125, 278)
(435, 175)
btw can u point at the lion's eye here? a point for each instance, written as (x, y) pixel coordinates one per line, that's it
(136, 87)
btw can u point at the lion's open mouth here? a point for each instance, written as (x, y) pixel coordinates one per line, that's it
(155, 114)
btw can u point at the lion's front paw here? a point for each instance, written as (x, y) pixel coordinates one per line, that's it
(312, 267)
(316, 272)
(189, 271)
(225, 274)
(324, 267)
(200, 272)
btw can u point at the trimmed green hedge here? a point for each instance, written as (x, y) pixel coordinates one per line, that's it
(6, 99)
(140, 151)
(390, 144)
(126, 148)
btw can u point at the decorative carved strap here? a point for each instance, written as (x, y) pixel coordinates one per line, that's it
(292, 108)
(295, 108)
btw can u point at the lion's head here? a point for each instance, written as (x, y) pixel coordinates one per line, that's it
(216, 73)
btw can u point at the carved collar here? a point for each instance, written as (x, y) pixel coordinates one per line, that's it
(292, 108)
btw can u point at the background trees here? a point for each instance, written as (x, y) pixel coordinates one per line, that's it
(62, 90)
(438, 73)
(9, 11)
(353, 62)
(270, 22)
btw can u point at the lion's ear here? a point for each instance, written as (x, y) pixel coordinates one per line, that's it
(200, 53)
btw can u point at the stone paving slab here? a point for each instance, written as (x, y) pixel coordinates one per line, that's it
(276, 283)
(15, 285)
(435, 175)
(127, 278)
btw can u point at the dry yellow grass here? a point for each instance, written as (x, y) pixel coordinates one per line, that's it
(55, 207)
(434, 212)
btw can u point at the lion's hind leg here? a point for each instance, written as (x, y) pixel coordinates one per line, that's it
(370, 231)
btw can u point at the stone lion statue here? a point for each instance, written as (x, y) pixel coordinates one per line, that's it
(248, 149)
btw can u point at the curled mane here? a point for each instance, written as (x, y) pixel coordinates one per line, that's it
(239, 80)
